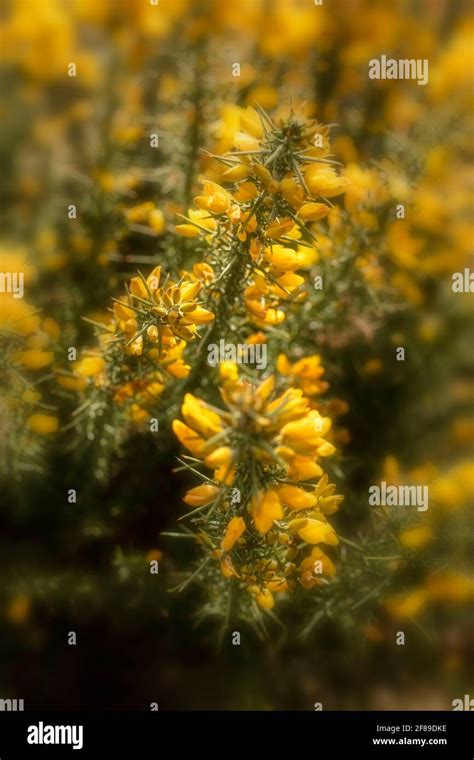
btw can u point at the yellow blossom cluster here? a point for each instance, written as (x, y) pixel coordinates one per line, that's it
(268, 445)
(151, 324)
(281, 178)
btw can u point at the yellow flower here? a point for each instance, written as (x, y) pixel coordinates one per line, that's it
(228, 371)
(292, 192)
(278, 228)
(265, 599)
(313, 212)
(324, 181)
(33, 359)
(282, 259)
(227, 567)
(250, 122)
(201, 495)
(450, 586)
(410, 605)
(247, 191)
(17, 316)
(30, 396)
(249, 438)
(235, 173)
(296, 498)
(215, 198)
(140, 213)
(187, 230)
(306, 373)
(163, 315)
(304, 436)
(71, 383)
(266, 508)
(137, 414)
(314, 567)
(246, 143)
(43, 424)
(156, 221)
(90, 366)
(416, 537)
(233, 532)
(221, 461)
(189, 438)
(313, 531)
(201, 417)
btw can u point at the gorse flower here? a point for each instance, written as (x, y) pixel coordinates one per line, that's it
(305, 373)
(152, 325)
(265, 447)
(160, 315)
(279, 176)
(262, 511)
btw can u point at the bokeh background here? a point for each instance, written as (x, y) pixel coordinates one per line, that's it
(84, 140)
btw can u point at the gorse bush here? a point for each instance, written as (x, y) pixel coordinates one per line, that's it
(235, 287)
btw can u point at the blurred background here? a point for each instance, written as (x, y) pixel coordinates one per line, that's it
(85, 202)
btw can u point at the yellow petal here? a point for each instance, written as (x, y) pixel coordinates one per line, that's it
(188, 230)
(313, 531)
(245, 192)
(189, 291)
(198, 415)
(326, 449)
(245, 142)
(221, 461)
(200, 316)
(201, 495)
(153, 279)
(296, 498)
(189, 438)
(266, 388)
(250, 122)
(227, 568)
(265, 599)
(235, 173)
(312, 212)
(234, 530)
(122, 311)
(138, 287)
(266, 508)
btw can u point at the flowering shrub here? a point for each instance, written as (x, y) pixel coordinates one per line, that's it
(235, 287)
